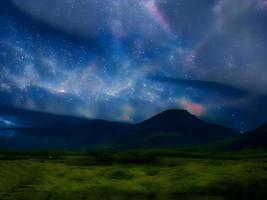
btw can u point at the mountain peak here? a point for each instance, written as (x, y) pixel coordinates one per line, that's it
(174, 116)
(175, 112)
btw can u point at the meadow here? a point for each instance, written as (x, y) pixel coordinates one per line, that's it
(141, 174)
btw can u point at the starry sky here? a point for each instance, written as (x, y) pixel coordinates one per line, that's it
(126, 60)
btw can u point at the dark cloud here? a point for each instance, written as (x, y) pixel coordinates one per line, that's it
(244, 115)
(93, 19)
(189, 18)
(234, 52)
(222, 89)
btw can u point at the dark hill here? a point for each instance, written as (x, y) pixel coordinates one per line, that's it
(254, 139)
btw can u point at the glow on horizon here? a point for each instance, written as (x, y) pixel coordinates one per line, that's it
(192, 107)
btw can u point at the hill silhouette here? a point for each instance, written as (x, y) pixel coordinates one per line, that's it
(175, 128)
(256, 138)
(171, 128)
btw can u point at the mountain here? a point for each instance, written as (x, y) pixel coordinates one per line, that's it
(254, 139)
(174, 128)
(46, 130)
(171, 128)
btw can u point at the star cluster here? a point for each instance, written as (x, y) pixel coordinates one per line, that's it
(125, 60)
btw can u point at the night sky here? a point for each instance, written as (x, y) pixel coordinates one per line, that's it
(126, 60)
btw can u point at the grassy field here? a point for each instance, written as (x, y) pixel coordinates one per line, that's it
(142, 175)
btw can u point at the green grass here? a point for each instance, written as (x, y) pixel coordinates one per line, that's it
(143, 174)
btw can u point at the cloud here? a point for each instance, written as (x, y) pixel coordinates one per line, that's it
(222, 89)
(93, 19)
(67, 15)
(234, 53)
(190, 19)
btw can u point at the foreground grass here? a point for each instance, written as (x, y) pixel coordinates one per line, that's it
(148, 174)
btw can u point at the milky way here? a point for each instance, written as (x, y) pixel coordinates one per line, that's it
(126, 60)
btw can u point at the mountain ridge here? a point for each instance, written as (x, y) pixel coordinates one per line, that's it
(175, 127)
(256, 138)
